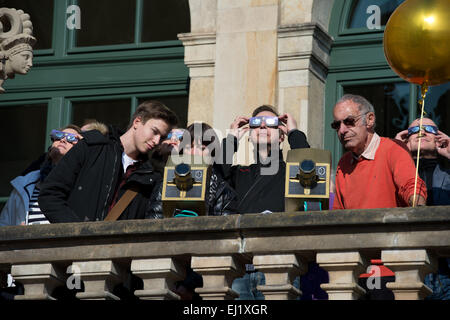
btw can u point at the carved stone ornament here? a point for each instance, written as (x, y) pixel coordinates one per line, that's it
(16, 45)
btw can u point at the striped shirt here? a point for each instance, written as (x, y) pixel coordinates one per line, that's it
(35, 216)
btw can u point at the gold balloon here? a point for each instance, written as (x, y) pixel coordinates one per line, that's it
(417, 41)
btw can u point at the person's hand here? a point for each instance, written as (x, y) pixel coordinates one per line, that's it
(289, 121)
(237, 127)
(420, 201)
(443, 144)
(402, 136)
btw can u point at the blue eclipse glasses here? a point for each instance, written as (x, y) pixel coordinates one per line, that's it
(426, 127)
(255, 122)
(175, 135)
(57, 135)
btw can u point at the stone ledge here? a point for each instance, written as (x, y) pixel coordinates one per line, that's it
(333, 221)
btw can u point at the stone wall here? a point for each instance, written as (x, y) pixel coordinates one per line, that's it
(245, 53)
(102, 254)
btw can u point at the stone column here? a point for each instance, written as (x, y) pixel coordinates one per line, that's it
(410, 267)
(218, 275)
(303, 58)
(245, 74)
(280, 271)
(99, 278)
(159, 276)
(199, 57)
(38, 280)
(343, 269)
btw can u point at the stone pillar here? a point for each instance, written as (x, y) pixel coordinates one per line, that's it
(343, 269)
(218, 275)
(410, 267)
(99, 278)
(280, 271)
(199, 57)
(246, 59)
(303, 58)
(38, 280)
(159, 276)
(303, 51)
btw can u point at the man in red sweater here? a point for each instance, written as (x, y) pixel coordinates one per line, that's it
(376, 172)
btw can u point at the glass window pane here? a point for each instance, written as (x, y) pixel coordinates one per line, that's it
(114, 112)
(163, 20)
(41, 14)
(104, 22)
(437, 106)
(22, 141)
(391, 103)
(178, 104)
(359, 15)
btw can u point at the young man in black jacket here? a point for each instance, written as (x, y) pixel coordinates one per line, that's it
(93, 176)
(260, 187)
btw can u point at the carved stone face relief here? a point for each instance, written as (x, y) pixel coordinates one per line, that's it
(21, 62)
(16, 44)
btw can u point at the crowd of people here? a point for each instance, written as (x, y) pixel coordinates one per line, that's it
(88, 171)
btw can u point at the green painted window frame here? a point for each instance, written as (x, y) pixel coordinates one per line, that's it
(166, 74)
(349, 70)
(71, 47)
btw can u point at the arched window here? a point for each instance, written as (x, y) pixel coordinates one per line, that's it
(358, 66)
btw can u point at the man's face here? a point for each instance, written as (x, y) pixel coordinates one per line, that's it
(353, 137)
(427, 143)
(264, 134)
(21, 62)
(148, 135)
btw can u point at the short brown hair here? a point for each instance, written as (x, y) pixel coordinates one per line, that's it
(153, 109)
(265, 107)
(71, 126)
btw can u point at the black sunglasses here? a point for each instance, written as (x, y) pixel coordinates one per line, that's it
(349, 122)
(56, 135)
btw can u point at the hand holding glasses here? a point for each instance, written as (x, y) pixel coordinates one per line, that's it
(175, 135)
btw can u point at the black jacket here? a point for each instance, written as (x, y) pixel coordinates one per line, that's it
(256, 192)
(82, 185)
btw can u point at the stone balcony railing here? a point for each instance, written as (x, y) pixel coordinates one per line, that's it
(101, 254)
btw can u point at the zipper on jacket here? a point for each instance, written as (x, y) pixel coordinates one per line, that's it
(105, 205)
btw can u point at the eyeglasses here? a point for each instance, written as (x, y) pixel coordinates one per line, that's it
(56, 135)
(349, 122)
(256, 122)
(426, 127)
(176, 135)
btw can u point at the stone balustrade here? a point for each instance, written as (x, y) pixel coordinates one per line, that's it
(102, 255)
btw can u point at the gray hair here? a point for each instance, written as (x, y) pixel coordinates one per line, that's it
(364, 105)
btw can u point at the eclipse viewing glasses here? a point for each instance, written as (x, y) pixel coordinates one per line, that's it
(256, 122)
(57, 135)
(426, 127)
(176, 134)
